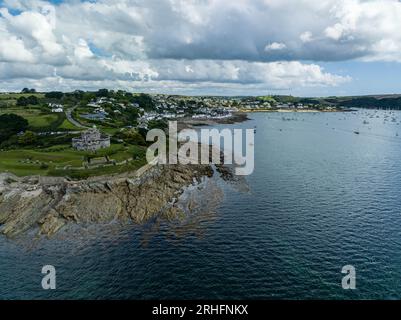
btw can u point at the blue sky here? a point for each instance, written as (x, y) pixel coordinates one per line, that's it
(247, 47)
(367, 78)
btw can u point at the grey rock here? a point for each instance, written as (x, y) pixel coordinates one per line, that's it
(49, 204)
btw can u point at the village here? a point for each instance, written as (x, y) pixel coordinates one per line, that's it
(84, 133)
(163, 108)
(81, 134)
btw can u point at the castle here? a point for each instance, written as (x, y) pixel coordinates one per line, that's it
(91, 140)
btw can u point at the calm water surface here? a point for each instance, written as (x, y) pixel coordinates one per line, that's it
(320, 197)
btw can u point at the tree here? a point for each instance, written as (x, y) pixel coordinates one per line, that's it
(132, 115)
(11, 124)
(144, 100)
(27, 138)
(22, 102)
(33, 100)
(157, 124)
(103, 93)
(25, 101)
(54, 95)
(27, 90)
(143, 132)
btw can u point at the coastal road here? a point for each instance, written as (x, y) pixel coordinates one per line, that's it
(68, 114)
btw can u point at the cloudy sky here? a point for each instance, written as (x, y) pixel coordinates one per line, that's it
(224, 47)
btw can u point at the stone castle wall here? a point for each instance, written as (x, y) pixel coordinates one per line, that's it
(91, 140)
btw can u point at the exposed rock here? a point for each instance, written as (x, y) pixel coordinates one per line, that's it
(49, 204)
(50, 224)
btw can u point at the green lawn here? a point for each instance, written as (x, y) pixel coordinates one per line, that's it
(60, 159)
(66, 125)
(26, 162)
(53, 160)
(109, 131)
(41, 121)
(36, 118)
(106, 170)
(15, 96)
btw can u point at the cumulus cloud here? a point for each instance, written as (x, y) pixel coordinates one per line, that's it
(82, 50)
(275, 46)
(306, 36)
(13, 49)
(177, 43)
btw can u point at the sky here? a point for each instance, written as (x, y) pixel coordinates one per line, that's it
(203, 47)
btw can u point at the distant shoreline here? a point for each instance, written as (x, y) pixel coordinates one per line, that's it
(293, 110)
(236, 117)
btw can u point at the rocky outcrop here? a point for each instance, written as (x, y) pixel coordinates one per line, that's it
(48, 204)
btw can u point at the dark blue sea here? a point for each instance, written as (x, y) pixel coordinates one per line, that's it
(321, 197)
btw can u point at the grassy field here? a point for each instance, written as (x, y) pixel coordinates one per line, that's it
(57, 159)
(36, 118)
(54, 156)
(106, 170)
(66, 125)
(12, 97)
(39, 120)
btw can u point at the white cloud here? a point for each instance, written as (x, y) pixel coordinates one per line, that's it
(275, 46)
(35, 26)
(279, 75)
(12, 49)
(306, 36)
(192, 42)
(82, 50)
(334, 32)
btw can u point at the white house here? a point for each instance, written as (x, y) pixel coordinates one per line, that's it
(56, 107)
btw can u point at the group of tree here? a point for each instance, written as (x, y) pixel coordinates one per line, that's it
(372, 102)
(103, 93)
(158, 124)
(144, 100)
(25, 101)
(27, 138)
(11, 124)
(131, 116)
(27, 90)
(54, 95)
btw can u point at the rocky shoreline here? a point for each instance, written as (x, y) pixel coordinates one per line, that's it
(49, 204)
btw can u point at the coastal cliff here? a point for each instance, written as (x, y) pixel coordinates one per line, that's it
(48, 204)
